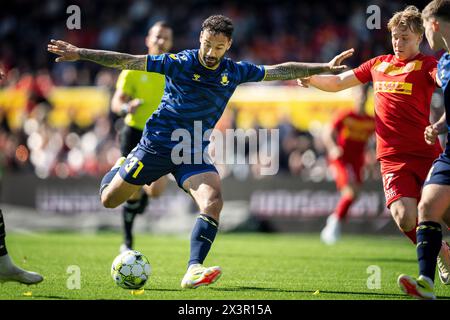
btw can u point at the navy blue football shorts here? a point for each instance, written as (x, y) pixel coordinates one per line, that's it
(144, 166)
(440, 171)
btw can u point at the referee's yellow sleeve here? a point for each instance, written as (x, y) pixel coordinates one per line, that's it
(124, 82)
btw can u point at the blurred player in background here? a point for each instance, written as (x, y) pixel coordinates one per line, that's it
(137, 96)
(403, 85)
(435, 202)
(345, 140)
(199, 84)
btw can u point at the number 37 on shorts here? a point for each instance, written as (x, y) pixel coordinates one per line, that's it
(134, 163)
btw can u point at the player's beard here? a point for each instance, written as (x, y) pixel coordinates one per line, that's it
(211, 62)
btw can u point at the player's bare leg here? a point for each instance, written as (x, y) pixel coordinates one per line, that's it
(156, 188)
(332, 231)
(404, 212)
(114, 190)
(205, 189)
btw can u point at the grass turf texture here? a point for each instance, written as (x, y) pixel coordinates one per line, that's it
(255, 266)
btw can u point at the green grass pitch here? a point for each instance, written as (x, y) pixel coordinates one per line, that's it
(255, 266)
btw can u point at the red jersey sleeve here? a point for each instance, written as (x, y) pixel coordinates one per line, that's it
(363, 72)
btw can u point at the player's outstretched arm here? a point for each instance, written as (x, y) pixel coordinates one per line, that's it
(331, 83)
(123, 61)
(295, 70)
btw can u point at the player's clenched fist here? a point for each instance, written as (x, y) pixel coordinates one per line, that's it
(66, 51)
(430, 134)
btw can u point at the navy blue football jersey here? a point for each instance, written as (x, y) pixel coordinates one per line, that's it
(195, 96)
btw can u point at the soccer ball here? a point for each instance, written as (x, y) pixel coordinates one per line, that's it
(130, 270)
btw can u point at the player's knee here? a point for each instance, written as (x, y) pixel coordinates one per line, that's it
(426, 212)
(404, 220)
(107, 200)
(213, 204)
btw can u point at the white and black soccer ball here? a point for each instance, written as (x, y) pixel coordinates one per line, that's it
(130, 270)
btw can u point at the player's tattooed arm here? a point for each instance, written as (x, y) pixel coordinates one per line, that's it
(113, 59)
(123, 61)
(296, 70)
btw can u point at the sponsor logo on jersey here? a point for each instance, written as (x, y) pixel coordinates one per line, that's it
(393, 87)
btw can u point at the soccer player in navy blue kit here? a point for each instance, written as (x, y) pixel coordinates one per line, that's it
(199, 84)
(435, 201)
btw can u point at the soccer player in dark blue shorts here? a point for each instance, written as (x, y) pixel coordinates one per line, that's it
(199, 84)
(435, 201)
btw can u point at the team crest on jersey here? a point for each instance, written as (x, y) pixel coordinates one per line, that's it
(173, 56)
(196, 77)
(224, 79)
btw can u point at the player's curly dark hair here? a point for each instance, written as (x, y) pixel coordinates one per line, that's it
(218, 24)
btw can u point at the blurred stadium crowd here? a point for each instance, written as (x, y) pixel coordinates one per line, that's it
(266, 32)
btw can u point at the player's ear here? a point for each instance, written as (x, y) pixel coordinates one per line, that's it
(229, 44)
(435, 25)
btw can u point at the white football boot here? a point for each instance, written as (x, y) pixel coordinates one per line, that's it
(419, 288)
(10, 272)
(443, 263)
(197, 275)
(332, 231)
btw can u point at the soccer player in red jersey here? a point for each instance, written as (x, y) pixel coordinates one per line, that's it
(345, 140)
(403, 85)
